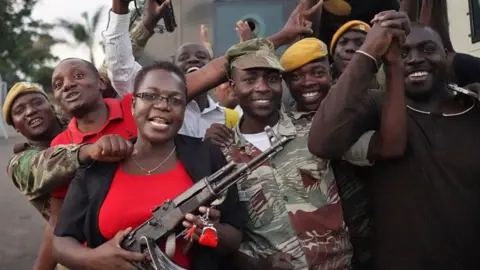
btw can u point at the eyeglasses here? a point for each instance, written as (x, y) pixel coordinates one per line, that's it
(151, 97)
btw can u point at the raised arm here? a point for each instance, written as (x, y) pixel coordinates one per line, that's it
(391, 140)
(347, 112)
(214, 73)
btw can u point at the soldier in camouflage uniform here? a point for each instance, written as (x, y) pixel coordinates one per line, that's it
(292, 201)
(36, 169)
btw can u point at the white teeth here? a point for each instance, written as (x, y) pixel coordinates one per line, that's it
(418, 74)
(35, 121)
(158, 120)
(310, 94)
(262, 101)
(192, 69)
(159, 123)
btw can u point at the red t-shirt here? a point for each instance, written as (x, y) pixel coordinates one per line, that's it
(120, 121)
(123, 208)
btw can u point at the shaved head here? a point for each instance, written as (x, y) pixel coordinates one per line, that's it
(85, 63)
(428, 31)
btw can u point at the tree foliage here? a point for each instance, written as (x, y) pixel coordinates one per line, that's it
(25, 44)
(83, 33)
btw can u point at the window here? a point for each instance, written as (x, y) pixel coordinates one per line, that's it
(475, 20)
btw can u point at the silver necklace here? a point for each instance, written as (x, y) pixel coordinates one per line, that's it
(149, 172)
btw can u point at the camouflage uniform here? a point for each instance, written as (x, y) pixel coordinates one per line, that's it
(36, 170)
(292, 201)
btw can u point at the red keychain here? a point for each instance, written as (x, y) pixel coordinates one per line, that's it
(209, 236)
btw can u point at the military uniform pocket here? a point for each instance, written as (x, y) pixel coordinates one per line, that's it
(259, 207)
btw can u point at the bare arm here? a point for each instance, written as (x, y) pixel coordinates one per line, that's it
(70, 252)
(347, 112)
(331, 131)
(45, 259)
(391, 140)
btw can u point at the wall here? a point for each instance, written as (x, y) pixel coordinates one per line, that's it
(458, 15)
(190, 14)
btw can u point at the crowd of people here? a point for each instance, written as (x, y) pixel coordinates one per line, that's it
(376, 173)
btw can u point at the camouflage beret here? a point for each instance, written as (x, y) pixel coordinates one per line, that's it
(255, 53)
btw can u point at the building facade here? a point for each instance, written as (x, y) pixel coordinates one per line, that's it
(464, 17)
(220, 17)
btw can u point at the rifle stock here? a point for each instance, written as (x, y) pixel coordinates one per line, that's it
(168, 217)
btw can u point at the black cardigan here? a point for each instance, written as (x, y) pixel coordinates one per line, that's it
(79, 215)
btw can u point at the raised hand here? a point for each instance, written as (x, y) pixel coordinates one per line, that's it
(153, 12)
(388, 25)
(205, 40)
(243, 31)
(299, 23)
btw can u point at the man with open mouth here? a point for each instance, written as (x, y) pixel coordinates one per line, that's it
(37, 169)
(203, 111)
(425, 202)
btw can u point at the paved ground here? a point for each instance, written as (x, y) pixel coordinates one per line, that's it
(21, 226)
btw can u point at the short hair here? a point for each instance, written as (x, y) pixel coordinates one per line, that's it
(89, 65)
(159, 65)
(179, 49)
(418, 24)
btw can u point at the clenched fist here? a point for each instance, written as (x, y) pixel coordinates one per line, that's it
(109, 148)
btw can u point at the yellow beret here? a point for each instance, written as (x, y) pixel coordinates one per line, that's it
(337, 7)
(303, 52)
(18, 89)
(351, 25)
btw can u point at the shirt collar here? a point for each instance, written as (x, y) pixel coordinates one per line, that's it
(284, 127)
(212, 105)
(294, 114)
(114, 112)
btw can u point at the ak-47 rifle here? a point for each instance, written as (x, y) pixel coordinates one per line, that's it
(169, 17)
(167, 217)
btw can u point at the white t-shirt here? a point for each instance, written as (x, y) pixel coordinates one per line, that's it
(259, 140)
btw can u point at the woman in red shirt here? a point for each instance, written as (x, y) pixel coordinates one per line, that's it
(106, 199)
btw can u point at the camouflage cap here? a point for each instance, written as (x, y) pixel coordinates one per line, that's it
(255, 53)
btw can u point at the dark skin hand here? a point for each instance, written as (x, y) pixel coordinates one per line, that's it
(109, 148)
(213, 74)
(391, 140)
(109, 256)
(220, 135)
(330, 114)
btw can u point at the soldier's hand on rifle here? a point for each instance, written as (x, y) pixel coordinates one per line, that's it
(152, 13)
(213, 219)
(109, 148)
(110, 256)
(220, 135)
